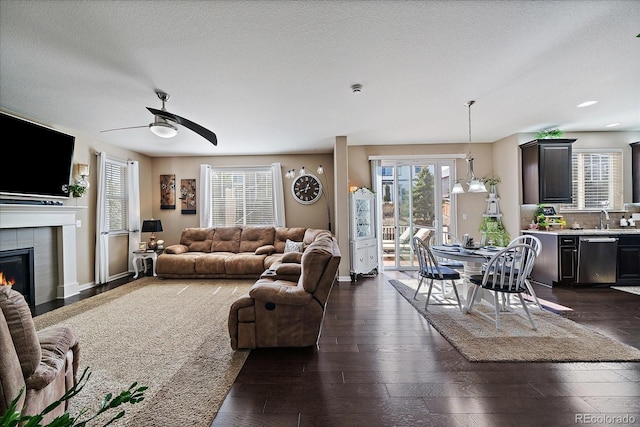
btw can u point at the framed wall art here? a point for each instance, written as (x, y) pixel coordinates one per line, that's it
(188, 196)
(167, 191)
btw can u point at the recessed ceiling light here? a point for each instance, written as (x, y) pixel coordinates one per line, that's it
(587, 103)
(610, 125)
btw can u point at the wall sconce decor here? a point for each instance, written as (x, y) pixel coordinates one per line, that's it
(152, 226)
(307, 188)
(475, 184)
(81, 182)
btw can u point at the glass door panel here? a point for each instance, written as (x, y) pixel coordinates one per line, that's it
(415, 197)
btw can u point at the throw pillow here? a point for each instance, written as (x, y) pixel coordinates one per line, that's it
(291, 246)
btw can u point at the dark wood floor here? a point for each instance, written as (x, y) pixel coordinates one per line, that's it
(379, 363)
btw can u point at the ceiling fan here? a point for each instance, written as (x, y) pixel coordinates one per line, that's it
(164, 123)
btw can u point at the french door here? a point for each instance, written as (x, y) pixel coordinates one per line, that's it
(411, 195)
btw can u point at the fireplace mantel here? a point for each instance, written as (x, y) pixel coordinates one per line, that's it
(61, 217)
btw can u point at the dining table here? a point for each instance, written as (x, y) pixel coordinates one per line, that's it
(472, 260)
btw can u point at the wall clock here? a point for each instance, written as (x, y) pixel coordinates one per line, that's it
(306, 189)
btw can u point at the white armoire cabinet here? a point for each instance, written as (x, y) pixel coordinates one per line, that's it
(363, 242)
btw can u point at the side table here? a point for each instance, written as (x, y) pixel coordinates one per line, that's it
(141, 256)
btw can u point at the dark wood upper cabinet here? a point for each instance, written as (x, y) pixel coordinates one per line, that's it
(546, 171)
(635, 171)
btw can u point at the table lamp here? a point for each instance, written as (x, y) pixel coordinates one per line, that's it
(152, 226)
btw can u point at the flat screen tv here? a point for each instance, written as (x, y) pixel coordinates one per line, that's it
(42, 168)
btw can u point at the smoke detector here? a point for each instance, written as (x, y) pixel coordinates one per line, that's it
(356, 88)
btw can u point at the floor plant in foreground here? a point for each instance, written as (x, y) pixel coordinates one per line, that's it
(133, 395)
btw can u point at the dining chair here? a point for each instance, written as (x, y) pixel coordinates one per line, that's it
(505, 275)
(446, 238)
(535, 242)
(434, 272)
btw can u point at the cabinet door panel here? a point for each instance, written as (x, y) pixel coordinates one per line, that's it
(555, 181)
(628, 262)
(568, 264)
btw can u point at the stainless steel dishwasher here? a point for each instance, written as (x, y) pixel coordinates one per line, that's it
(597, 259)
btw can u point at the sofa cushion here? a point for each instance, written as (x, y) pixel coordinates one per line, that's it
(197, 239)
(212, 263)
(294, 257)
(314, 262)
(311, 234)
(178, 264)
(253, 237)
(23, 332)
(288, 269)
(283, 233)
(244, 264)
(265, 250)
(227, 239)
(55, 343)
(291, 246)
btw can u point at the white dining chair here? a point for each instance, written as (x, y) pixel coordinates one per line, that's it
(535, 242)
(436, 274)
(446, 238)
(505, 275)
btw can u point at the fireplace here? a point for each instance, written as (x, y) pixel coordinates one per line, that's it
(16, 270)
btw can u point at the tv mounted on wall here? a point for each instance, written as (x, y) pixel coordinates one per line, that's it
(43, 168)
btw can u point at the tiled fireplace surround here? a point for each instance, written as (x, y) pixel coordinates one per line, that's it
(51, 231)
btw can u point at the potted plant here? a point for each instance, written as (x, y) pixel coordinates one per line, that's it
(549, 134)
(492, 182)
(77, 190)
(494, 232)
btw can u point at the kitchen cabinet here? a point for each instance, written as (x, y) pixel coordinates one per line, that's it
(363, 243)
(546, 171)
(628, 260)
(558, 261)
(635, 171)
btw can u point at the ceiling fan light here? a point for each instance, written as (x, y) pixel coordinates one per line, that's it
(163, 130)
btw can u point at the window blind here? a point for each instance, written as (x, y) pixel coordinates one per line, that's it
(116, 196)
(597, 180)
(242, 197)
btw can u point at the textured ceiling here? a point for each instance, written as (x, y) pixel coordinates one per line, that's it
(274, 77)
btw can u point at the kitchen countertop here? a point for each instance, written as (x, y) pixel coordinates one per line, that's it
(586, 231)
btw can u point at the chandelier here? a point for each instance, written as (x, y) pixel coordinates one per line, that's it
(475, 184)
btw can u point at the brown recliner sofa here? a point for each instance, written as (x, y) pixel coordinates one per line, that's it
(44, 363)
(282, 313)
(234, 253)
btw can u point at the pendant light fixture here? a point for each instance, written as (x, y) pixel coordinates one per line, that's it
(475, 184)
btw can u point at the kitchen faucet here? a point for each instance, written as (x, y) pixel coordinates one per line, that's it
(603, 211)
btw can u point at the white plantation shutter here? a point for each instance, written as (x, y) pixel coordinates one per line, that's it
(117, 196)
(597, 180)
(242, 196)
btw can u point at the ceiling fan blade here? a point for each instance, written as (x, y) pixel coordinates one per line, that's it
(132, 127)
(203, 132)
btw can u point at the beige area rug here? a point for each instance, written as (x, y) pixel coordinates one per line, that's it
(629, 289)
(556, 339)
(170, 335)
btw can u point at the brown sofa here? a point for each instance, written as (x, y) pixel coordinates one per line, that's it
(235, 252)
(45, 363)
(282, 313)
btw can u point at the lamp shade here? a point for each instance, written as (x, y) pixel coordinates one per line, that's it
(151, 225)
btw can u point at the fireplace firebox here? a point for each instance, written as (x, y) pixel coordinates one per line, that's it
(16, 270)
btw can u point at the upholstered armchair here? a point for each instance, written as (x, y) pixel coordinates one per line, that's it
(281, 313)
(44, 363)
